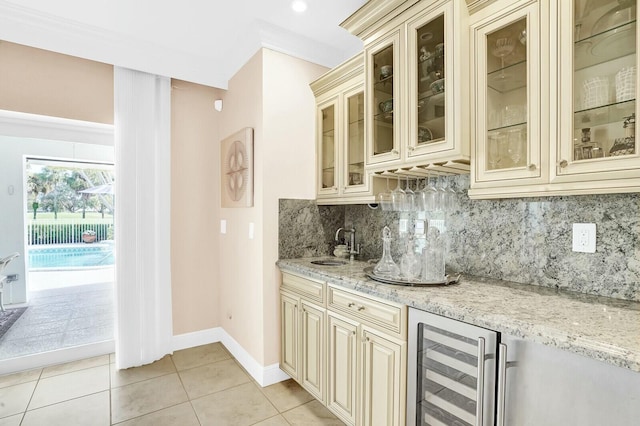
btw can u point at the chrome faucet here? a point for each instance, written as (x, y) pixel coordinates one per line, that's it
(351, 245)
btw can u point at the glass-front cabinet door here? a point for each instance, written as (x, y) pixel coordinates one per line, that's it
(508, 116)
(355, 178)
(383, 79)
(598, 89)
(327, 129)
(428, 95)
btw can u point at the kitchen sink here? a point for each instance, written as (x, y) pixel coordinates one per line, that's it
(329, 262)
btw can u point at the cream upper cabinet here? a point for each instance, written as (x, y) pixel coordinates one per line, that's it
(554, 98)
(340, 141)
(507, 86)
(597, 62)
(416, 84)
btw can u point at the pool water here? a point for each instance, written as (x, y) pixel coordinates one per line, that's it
(71, 257)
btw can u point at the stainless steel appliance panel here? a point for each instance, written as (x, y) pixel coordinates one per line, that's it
(451, 372)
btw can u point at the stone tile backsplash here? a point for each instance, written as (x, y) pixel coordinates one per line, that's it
(525, 240)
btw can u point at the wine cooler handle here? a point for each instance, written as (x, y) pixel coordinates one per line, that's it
(480, 383)
(502, 383)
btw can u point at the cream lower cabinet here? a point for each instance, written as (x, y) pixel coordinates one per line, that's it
(366, 359)
(347, 349)
(302, 353)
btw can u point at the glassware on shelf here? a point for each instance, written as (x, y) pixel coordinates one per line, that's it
(595, 92)
(626, 84)
(516, 147)
(410, 266)
(503, 47)
(386, 267)
(621, 14)
(495, 150)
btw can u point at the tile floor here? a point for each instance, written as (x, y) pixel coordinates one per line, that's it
(198, 386)
(60, 318)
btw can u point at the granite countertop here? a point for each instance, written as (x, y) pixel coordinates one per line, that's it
(597, 327)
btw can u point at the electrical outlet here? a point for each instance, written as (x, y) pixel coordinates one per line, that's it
(584, 237)
(11, 278)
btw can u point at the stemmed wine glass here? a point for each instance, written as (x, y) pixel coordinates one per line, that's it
(503, 47)
(397, 197)
(409, 197)
(493, 153)
(384, 198)
(515, 148)
(431, 197)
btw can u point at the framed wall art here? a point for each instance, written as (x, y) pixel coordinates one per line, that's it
(236, 157)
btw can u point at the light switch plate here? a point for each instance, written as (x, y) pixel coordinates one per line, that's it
(223, 226)
(584, 237)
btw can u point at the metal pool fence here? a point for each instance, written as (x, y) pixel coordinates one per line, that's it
(66, 231)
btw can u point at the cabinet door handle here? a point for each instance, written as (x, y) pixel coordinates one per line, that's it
(532, 167)
(502, 383)
(480, 383)
(563, 164)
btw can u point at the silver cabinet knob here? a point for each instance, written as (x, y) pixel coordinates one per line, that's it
(411, 148)
(563, 163)
(532, 167)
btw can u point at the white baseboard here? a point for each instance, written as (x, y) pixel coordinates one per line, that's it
(29, 362)
(264, 375)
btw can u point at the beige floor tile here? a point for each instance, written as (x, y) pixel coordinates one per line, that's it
(137, 399)
(242, 405)
(70, 385)
(181, 414)
(212, 378)
(274, 421)
(137, 374)
(200, 355)
(11, 420)
(14, 399)
(75, 366)
(311, 413)
(287, 395)
(91, 410)
(21, 377)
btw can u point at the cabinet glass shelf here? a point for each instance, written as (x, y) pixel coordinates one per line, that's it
(606, 46)
(516, 126)
(509, 78)
(430, 98)
(328, 133)
(385, 85)
(384, 117)
(603, 115)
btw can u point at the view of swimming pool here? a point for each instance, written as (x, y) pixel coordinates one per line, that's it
(71, 257)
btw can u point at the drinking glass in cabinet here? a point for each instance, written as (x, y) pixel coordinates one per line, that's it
(431, 51)
(604, 78)
(506, 144)
(328, 147)
(355, 139)
(383, 100)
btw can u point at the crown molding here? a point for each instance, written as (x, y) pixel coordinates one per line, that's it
(363, 21)
(20, 124)
(33, 28)
(339, 75)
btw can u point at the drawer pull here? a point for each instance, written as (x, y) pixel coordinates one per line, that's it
(360, 308)
(351, 305)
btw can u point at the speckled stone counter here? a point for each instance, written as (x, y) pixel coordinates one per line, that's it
(602, 328)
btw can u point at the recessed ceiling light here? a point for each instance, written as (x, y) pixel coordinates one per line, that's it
(299, 6)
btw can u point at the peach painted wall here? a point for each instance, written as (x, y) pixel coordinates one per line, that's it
(37, 81)
(271, 94)
(195, 194)
(241, 258)
(289, 164)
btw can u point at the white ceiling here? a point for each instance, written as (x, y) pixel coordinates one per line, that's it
(205, 41)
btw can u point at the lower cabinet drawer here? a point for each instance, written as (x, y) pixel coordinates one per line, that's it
(306, 287)
(382, 315)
